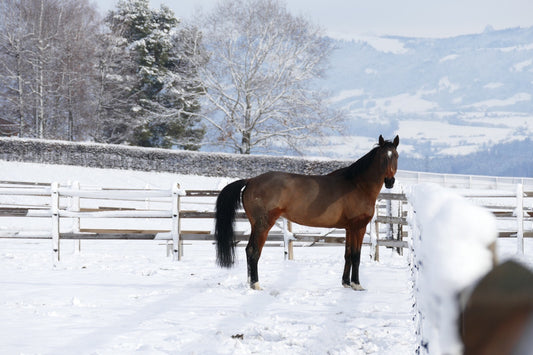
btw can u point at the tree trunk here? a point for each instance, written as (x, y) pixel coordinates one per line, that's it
(20, 83)
(247, 134)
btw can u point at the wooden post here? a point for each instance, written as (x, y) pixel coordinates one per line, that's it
(400, 227)
(54, 207)
(176, 225)
(390, 226)
(75, 206)
(287, 239)
(376, 224)
(520, 218)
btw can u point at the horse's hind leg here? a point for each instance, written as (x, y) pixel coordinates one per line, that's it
(253, 252)
(258, 236)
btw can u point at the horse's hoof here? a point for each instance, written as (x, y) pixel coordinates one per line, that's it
(345, 285)
(255, 286)
(356, 287)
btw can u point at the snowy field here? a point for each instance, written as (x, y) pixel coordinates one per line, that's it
(128, 297)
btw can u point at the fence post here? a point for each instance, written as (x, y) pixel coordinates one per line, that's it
(390, 226)
(287, 239)
(176, 224)
(54, 207)
(376, 228)
(520, 218)
(75, 206)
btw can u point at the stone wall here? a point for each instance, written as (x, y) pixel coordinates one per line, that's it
(151, 159)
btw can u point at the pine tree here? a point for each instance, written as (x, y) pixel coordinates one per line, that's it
(167, 88)
(115, 95)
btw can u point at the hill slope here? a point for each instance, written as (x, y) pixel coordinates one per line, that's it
(445, 97)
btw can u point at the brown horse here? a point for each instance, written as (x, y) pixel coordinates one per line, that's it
(344, 198)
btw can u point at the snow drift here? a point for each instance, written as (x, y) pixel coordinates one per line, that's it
(451, 242)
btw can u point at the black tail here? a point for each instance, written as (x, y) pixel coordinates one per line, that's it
(228, 201)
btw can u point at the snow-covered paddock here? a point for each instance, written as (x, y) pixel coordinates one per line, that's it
(122, 297)
(125, 297)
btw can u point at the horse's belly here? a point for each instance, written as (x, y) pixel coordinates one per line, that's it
(321, 221)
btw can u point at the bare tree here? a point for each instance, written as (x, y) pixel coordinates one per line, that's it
(260, 76)
(47, 60)
(75, 64)
(14, 66)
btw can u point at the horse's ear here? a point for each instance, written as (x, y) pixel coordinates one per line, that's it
(381, 140)
(396, 141)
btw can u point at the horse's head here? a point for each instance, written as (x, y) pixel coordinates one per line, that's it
(388, 158)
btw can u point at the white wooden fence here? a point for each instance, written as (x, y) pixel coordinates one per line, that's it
(58, 211)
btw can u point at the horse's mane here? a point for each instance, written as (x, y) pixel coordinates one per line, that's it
(361, 165)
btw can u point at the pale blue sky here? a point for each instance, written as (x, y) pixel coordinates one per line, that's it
(423, 18)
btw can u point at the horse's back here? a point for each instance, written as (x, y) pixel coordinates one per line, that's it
(313, 200)
(271, 185)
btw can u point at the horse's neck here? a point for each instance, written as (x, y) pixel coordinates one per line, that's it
(372, 179)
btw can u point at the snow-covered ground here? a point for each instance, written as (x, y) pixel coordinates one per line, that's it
(128, 297)
(125, 297)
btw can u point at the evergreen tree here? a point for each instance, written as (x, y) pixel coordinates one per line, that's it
(115, 95)
(167, 88)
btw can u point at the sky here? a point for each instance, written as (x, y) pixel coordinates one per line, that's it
(414, 18)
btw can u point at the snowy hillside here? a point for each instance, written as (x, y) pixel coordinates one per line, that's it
(444, 97)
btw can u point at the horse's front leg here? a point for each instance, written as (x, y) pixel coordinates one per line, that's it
(352, 257)
(356, 260)
(357, 241)
(347, 261)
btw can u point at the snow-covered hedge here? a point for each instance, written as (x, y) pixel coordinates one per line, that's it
(451, 239)
(151, 159)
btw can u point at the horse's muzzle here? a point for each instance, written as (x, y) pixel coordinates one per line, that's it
(389, 182)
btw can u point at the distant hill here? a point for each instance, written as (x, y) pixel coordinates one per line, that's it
(453, 100)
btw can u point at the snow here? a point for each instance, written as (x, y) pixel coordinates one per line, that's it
(347, 94)
(405, 103)
(451, 242)
(456, 139)
(123, 297)
(493, 85)
(446, 85)
(429, 78)
(449, 58)
(522, 96)
(382, 44)
(519, 67)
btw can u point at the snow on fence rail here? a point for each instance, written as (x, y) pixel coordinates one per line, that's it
(452, 248)
(464, 181)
